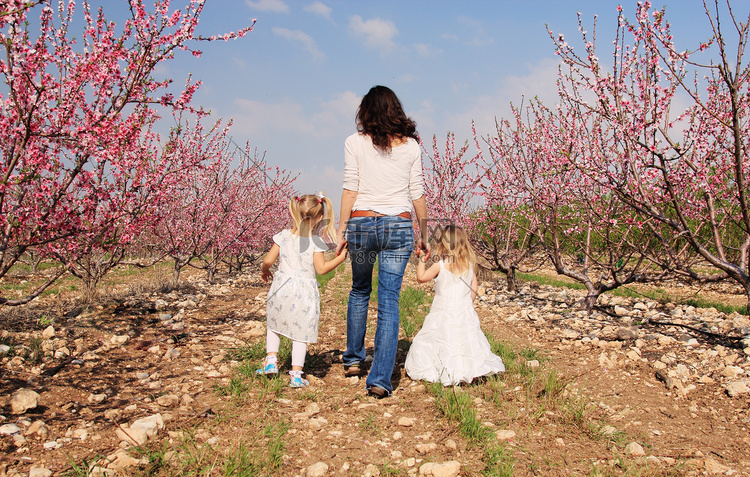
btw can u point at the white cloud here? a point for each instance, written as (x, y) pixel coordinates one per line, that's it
(268, 5)
(320, 9)
(540, 82)
(375, 33)
(332, 118)
(475, 32)
(324, 178)
(406, 78)
(299, 36)
(427, 51)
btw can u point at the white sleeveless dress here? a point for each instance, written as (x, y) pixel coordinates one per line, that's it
(451, 347)
(293, 302)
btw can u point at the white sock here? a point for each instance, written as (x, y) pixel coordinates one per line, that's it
(295, 374)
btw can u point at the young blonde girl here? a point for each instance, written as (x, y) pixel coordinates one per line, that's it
(293, 303)
(451, 347)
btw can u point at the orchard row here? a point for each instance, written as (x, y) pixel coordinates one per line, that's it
(637, 173)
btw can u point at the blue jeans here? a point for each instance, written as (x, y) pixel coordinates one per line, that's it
(390, 240)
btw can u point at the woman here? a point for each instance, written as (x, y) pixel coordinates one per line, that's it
(382, 182)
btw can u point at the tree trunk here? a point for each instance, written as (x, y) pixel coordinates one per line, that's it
(510, 277)
(592, 294)
(176, 272)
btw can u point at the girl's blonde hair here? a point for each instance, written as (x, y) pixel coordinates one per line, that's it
(307, 210)
(453, 247)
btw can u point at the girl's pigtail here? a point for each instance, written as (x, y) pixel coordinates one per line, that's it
(295, 213)
(328, 228)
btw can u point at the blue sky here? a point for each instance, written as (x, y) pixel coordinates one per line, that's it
(292, 85)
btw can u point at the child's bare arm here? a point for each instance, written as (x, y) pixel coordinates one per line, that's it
(322, 267)
(268, 261)
(425, 274)
(474, 285)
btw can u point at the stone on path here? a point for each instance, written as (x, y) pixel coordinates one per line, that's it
(445, 469)
(406, 421)
(9, 429)
(168, 400)
(150, 424)
(737, 388)
(49, 332)
(319, 469)
(22, 400)
(505, 435)
(714, 467)
(426, 448)
(371, 470)
(634, 449)
(133, 436)
(40, 472)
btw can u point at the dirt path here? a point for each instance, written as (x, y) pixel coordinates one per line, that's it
(581, 399)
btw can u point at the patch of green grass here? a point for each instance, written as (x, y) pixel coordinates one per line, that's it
(245, 461)
(260, 454)
(34, 353)
(412, 310)
(657, 294)
(626, 467)
(324, 279)
(551, 281)
(368, 423)
(457, 406)
(80, 469)
(308, 395)
(387, 471)
(722, 307)
(253, 352)
(270, 385)
(237, 387)
(193, 458)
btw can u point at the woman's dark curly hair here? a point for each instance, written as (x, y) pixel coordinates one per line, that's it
(381, 116)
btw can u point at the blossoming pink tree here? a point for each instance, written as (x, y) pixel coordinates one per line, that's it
(231, 206)
(685, 169)
(585, 233)
(456, 185)
(451, 182)
(504, 231)
(73, 110)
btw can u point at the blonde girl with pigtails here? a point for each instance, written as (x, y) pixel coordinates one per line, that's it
(293, 302)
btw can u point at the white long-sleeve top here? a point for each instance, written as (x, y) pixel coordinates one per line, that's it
(385, 183)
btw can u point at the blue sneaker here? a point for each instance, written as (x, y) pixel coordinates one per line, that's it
(270, 368)
(298, 382)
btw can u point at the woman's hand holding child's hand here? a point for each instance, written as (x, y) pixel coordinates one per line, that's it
(423, 254)
(342, 248)
(265, 275)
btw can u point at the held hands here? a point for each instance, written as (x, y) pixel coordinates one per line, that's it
(343, 245)
(423, 250)
(265, 275)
